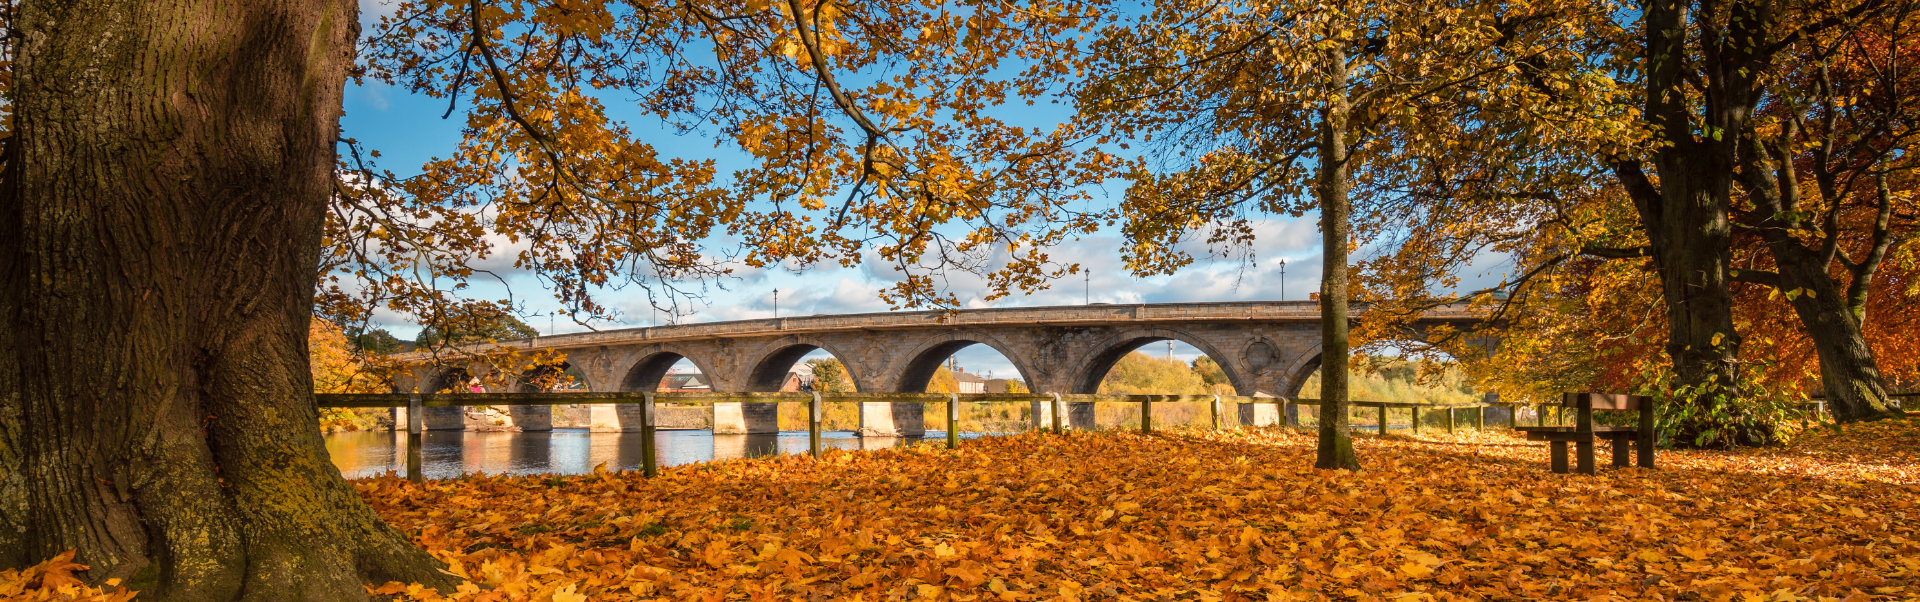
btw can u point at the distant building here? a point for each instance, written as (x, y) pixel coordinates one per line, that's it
(799, 378)
(968, 382)
(685, 383)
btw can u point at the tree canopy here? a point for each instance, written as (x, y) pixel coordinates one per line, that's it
(830, 376)
(1140, 374)
(476, 323)
(1668, 184)
(1446, 134)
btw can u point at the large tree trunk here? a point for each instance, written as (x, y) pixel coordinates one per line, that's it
(1855, 390)
(1336, 440)
(160, 215)
(1693, 250)
(1686, 213)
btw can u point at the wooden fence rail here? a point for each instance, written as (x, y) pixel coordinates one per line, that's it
(415, 403)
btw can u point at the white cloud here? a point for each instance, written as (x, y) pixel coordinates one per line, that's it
(374, 95)
(832, 289)
(371, 11)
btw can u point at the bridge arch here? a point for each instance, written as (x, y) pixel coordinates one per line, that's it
(1297, 375)
(923, 361)
(647, 374)
(1108, 352)
(776, 358)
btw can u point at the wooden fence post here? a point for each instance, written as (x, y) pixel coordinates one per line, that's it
(1216, 412)
(1648, 437)
(953, 421)
(1146, 415)
(1382, 408)
(813, 425)
(1480, 418)
(1449, 420)
(649, 457)
(1414, 411)
(416, 420)
(1058, 409)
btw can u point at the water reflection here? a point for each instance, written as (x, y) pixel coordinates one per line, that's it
(447, 454)
(728, 447)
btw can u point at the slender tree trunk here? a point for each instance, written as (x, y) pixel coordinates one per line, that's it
(1830, 314)
(160, 215)
(1336, 440)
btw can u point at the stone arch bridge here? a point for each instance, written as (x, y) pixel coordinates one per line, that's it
(1265, 348)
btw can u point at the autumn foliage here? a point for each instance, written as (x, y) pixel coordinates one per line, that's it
(1195, 515)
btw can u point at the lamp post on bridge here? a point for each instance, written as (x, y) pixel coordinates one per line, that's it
(1283, 279)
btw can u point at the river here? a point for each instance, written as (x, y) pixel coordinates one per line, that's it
(447, 454)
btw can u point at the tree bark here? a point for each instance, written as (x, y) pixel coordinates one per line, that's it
(1848, 372)
(1336, 439)
(1830, 313)
(160, 219)
(1686, 213)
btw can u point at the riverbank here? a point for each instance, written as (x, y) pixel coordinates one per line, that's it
(1195, 515)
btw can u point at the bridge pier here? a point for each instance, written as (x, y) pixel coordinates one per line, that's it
(606, 418)
(625, 417)
(614, 417)
(742, 418)
(1080, 415)
(893, 419)
(1260, 413)
(434, 419)
(531, 418)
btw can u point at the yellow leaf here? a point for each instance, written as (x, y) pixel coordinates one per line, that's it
(1414, 570)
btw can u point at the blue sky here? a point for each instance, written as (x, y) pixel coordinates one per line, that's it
(408, 130)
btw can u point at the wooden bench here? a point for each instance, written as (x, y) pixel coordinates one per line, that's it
(1584, 432)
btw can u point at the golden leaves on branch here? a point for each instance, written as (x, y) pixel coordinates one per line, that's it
(867, 129)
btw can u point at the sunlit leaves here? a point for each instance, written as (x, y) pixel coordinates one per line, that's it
(54, 580)
(1179, 516)
(1200, 516)
(867, 129)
